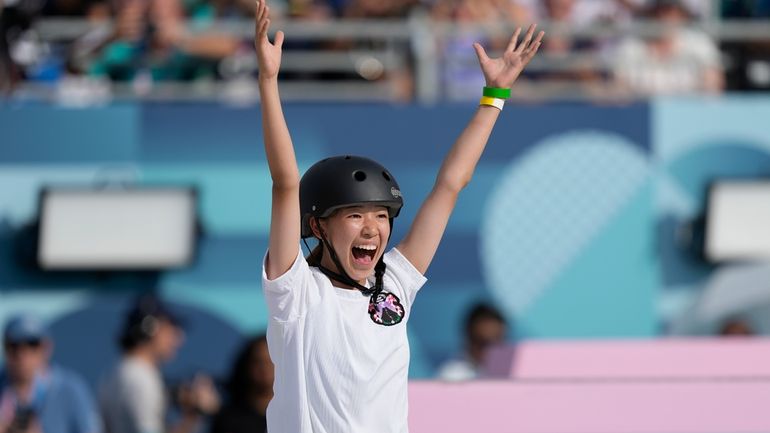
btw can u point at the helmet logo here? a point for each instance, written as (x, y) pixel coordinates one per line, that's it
(395, 192)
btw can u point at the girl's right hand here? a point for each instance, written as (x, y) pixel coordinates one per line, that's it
(268, 55)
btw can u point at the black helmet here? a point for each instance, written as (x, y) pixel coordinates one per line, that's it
(343, 181)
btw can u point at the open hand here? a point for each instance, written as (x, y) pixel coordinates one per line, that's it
(268, 55)
(503, 71)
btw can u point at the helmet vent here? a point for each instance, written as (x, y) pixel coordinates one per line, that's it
(386, 175)
(359, 175)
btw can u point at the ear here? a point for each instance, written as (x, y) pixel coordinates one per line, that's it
(315, 226)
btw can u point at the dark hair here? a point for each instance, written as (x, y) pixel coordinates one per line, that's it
(142, 320)
(314, 258)
(481, 311)
(240, 384)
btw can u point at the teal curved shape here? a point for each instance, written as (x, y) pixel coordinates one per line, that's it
(549, 206)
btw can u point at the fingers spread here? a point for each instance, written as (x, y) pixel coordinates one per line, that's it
(260, 10)
(259, 18)
(263, 27)
(512, 43)
(532, 51)
(480, 53)
(539, 37)
(527, 39)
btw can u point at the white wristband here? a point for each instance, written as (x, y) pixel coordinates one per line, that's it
(495, 102)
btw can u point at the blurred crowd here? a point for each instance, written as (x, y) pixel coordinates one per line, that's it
(39, 396)
(145, 41)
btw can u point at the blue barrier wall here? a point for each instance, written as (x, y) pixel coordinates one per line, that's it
(568, 226)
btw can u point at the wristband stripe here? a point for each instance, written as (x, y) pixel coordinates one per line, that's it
(497, 92)
(494, 102)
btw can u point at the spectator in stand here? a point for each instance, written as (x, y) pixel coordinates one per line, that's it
(575, 73)
(133, 398)
(579, 13)
(699, 9)
(36, 397)
(677, 61)
(249, 388)
(151, 42)
(16, 21)
(460, 75)
(485, 327)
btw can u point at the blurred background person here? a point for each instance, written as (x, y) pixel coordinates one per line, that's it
(736, 327)
(459, 72)
(36, 397)
(133, 398)
(677, 61)
(18, 43)
(573, 57)
(485, 326)
(249, 390)
(152, 42)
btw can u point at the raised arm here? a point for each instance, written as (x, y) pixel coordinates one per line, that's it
(285, 216)
(420, 244)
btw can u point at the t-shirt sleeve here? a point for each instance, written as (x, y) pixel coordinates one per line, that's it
(624, 59)
(288, 295)
(706, 50)
(401, 276)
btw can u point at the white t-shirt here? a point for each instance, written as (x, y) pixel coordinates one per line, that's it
(132, 398)
(336, 370)
(680, 73)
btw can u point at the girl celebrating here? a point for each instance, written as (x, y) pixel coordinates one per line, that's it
(337, 330)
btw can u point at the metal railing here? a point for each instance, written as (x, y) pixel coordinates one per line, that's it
(388, 54)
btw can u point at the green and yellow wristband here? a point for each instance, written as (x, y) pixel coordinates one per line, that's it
(495, 97)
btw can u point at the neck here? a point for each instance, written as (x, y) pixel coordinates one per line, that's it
(329, 264)
(143, 354)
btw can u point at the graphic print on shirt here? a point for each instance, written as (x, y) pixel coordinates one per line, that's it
(385, 308)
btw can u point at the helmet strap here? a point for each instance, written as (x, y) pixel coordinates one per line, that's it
(342, 276)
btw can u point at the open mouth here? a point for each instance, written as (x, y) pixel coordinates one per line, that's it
(364, 254)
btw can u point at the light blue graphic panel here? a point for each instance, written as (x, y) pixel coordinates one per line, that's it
(544, 228)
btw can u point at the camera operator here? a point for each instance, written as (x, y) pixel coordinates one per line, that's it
(133, 399)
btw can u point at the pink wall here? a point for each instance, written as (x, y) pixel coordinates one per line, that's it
(654, 386)
(511, 407)
(678, 358)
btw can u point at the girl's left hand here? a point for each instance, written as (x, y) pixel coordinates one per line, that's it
(503, 71)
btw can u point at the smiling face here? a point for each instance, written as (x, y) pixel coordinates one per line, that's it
(359, 235)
